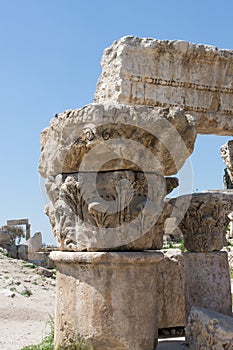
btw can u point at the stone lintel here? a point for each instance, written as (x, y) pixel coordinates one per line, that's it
(17, 222)
(196, 77)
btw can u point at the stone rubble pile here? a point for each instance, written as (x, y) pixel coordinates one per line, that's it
(26, 279)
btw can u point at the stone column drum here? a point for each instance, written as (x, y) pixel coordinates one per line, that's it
(107, 297)
(206, 269)
(207, 282)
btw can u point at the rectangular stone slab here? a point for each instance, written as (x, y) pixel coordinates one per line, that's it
(199, 78)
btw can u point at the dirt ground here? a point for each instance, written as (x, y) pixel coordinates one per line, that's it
(26, 304)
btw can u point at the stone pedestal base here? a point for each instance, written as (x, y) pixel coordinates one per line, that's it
(109, 299)
(207, 282)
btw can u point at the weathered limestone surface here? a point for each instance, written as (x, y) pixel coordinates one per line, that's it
(34, 243)
(204, 223)
(105, 167)
(117, 137)
(38, 257)
(5, 238)
(113, 210)
(207, 282)
(207, 329)
(199, 78)
(11, 249)
(109, 299)
(230, 259)
(16, 251)
(171, 301)
(226, 152)
(22, 252)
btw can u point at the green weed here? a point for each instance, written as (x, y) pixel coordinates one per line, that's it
(179, 245)
(48, 343)
(29, 265)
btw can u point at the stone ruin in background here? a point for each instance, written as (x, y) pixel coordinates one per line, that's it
(31, 249)
(109, 167)
(8, 238)
(226, 152)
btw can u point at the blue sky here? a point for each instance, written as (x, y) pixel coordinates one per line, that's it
(50, 54)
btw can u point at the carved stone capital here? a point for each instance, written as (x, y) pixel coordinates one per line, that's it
(205, 221)
(105, 167)
(108, 210)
